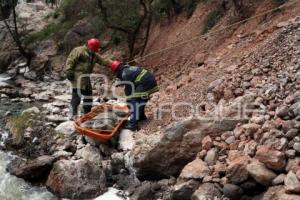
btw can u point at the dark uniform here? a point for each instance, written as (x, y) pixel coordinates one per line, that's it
(141, 84)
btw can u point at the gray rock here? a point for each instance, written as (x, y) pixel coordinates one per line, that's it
(230, 140)
(296, 108)
(296, 146)
(233, 192)
(279, 179)
(283, 112)
(291, 182)
(34, 110)
(211, 156)
(90, 153)
(292, 133)
(179, 143)
(184, 191)
(31, 170)
(76, 179)
(66, 128)
(260, 173)
(196, 169)
(206, 191)
(290, 153)
(117, 162)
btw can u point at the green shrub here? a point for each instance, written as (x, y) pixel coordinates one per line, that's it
(17, 126)
(48, 31)
(212, 19)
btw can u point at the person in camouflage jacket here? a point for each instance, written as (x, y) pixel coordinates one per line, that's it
(79, 65)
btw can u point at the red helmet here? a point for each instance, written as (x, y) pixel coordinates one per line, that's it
(93, 44)
(115, 64)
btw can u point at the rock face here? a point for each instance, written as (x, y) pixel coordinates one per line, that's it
(178, 145)
(32, 170)
(273, 159)
(76, 179)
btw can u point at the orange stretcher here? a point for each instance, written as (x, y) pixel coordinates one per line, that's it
(101, 135)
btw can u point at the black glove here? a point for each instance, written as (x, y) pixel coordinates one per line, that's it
(70, 76)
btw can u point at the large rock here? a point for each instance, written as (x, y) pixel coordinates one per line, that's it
(260, 173)
(76, 179)
(278, 193)
(66, 128)
(184, 191)
(233, 192)
(273, 159)
(167, 153)
(90, 153)
(32, 170)
(196, 169)
(237, 170)
(206, 191)
(291, 182)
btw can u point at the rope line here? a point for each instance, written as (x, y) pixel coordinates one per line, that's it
(213, 32)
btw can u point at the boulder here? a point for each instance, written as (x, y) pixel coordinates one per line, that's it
(196, 169)
(291, 182)
(206, 191)
(90, 153)
(260, 173)
(166, 153)
(66, 128)
(233, 192)
(76, 179)
(237, 170)
(184, 191)
(31, 170)
(278, 192)
(273, 159)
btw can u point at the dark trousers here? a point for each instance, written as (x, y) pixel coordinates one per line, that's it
(77, 94)
(137, 108)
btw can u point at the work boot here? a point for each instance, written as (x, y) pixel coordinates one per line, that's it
(130, 126)
(143, 118)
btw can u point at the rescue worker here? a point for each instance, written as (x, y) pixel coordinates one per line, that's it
(79, 66)
(139, 85)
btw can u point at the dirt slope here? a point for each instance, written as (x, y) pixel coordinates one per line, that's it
(185, 72)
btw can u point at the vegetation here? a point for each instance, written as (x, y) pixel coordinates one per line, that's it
(212, 19)
(59, 28)
(279, 2)
(9, 17)
(19, 124)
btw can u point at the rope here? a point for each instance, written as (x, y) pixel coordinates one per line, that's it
(213, 32)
